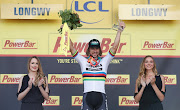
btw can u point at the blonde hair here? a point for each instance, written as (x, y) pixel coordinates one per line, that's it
(39, 74)
(143, 69)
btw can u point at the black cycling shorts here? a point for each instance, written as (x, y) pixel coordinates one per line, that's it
(94, 101)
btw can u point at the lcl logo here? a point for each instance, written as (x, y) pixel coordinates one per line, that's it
(83, 7)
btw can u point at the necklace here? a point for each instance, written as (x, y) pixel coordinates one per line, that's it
(93, 62)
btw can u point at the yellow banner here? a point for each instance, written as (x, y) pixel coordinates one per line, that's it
(50, 45)
(148, 12)
(10, 78)
(64, 45)
(127, 101)
(77, 100)
(170, 79)
(30, 11)
(52, 101)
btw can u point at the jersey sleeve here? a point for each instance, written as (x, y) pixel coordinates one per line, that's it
(107, 59)
(79, 58)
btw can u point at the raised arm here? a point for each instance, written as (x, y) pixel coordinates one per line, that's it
(114, 48)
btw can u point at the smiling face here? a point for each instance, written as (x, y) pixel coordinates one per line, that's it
(34, 65)
(149, 63)
(94, 52)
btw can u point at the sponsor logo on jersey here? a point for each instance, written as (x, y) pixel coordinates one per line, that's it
(94, 68)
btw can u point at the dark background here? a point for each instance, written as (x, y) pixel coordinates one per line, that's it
(131, 65)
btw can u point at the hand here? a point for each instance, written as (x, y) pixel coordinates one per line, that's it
(121, 26)
(41, 81)
(30, 83)
(153, 80)
(148, 80)
(143, 81)
(62, 26)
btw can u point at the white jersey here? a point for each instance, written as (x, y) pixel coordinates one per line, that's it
(94, 76)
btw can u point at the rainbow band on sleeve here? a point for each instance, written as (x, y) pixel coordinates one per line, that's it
(94, 76)
(75, 54)
(111, 53)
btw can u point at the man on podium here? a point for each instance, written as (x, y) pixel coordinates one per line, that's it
(94, 71)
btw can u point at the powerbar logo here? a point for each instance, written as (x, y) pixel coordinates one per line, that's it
(106, 43)
(170, 79)
(127, 101)
(77, 79)
(158, 45)
(65, 79)
(118, 79)
(77, 100)
(52, 101)
(19, 44)
(10, 78)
